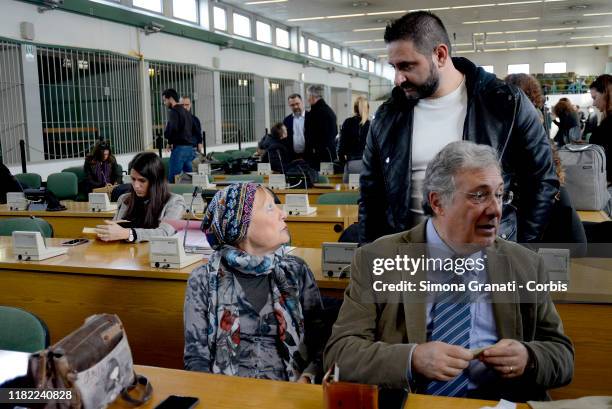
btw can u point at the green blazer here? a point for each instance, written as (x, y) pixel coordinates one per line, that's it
(372, 338)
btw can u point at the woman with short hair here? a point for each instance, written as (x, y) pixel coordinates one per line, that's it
(252, 311)
(146, 206)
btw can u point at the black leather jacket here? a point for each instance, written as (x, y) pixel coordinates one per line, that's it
(499, 115)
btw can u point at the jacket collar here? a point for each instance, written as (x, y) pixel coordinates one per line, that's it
(499, 270)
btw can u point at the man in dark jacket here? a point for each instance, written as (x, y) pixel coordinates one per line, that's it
(196, 128)
(178, 132)
(438, 100)
(320, 129)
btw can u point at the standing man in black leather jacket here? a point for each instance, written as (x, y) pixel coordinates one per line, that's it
(438, 100)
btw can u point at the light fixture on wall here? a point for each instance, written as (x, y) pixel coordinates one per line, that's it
(50, 5)
(228, 44)
(152, 28)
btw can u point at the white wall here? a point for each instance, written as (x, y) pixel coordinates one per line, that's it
(581, 60)
(69, 29)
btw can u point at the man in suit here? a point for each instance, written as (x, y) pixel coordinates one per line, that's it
(429, 342)
(295, 126)
(320, 129)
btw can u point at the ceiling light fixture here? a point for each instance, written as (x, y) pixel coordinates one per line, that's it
(374, 49)
(381, 13)
(591, 27)
(357, 30)
(597, 14)
(557, 29)
(520, 19)
(469, 6)
(480, 22)
(520, 31)
(363, 41)
(255, 3)
(306, 19)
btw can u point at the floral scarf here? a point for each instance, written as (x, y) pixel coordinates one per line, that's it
(223, 308)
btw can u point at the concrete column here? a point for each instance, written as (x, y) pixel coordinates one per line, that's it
(218, 134)
(146, 126)
(31, 103)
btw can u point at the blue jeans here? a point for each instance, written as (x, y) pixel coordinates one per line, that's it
(180, 161)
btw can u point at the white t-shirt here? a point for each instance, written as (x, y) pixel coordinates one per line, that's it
(437, 122)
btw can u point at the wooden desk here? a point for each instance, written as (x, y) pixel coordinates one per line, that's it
(596, 216)
(116, 278)
(313, 193)
(66, 223)
(102, 277)
(306, 231)
(334, 179)
(225, 392)
(326, 224)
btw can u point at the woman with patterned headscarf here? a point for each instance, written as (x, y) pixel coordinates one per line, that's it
(252, 311)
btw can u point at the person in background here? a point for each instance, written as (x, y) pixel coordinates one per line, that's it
(581, 117)
(353, 134)
(564, 225)
(320, 129)
(567, 122)
(179, 133)
(277, 151)
(8, 183)
(601, 92)
(531, 87)
(101, 168)
(252, 311)
(146, 206)
(196, 128)
(295, 126)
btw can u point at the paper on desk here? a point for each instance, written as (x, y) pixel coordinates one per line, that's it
(503, 404)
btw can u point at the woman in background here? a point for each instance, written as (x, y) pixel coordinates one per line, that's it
(277, 150)
(100, 168)
(567, 121)
(601, 92)
(146, 206)
(353, 137)
(252, 311)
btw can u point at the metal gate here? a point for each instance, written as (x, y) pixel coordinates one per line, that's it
(237, 107)
(85, 96)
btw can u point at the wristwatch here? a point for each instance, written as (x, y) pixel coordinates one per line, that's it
(132, 236)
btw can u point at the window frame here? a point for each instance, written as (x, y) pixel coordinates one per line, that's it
(249, 18)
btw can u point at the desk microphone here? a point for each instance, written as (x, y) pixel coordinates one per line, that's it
(305, 182)
(190, 212)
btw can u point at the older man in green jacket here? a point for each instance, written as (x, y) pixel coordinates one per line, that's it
(490, 331)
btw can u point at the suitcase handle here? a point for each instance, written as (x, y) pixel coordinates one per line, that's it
(577, 148)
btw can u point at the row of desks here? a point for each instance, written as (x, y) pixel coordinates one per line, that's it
(219, 392)
(116, 278)
(327, 224)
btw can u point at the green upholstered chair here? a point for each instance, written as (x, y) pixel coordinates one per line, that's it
(221, 156)
(166, 162)
(33, 180)
(179, 188)
(244, 178)
(22, 331)
(8, 226)
(80, 174)
(251, 150)
(323, 179)
(338, 198)
(64, 185)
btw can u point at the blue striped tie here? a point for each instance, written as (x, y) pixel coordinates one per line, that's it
(451, 322)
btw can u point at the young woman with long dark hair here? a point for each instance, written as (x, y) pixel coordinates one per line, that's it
(146, 205)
